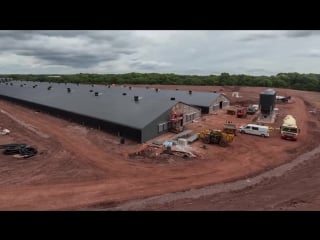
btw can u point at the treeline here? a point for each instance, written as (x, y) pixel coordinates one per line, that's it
(310, 82)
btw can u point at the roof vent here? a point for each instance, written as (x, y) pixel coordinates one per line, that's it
(49, 88)
(92, 85)
(136, 98)
(177, 89)
(190, 92)
(157, 90)
(108, 86)
(20, 85)
(130, 87)
(90, 90)
(69, 90)
(173, 98)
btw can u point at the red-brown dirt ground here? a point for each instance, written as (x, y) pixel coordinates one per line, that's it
(83, 168)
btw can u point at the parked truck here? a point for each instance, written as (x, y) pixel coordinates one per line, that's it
(242, 112)
(289, 128)
(252, 109)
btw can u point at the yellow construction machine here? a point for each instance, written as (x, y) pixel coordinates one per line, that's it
(212, 136)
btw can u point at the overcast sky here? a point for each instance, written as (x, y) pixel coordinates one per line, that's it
(181, 52)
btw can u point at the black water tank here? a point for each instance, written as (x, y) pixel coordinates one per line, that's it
(136, 98)
(96, 93)
(267, 101)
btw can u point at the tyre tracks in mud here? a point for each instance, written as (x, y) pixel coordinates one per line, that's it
(239, 185)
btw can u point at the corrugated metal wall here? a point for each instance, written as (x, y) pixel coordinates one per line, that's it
(216, 105)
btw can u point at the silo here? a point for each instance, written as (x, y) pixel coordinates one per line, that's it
(267, 101)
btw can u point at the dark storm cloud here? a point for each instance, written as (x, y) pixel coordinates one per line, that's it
(71, 59)
(301, 33)
(77, 49)
(18, 35)
(28, 34)
(191, 52)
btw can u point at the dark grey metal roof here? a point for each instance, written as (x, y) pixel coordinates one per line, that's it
(110, 104)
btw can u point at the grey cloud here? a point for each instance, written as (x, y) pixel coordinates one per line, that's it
(310, 54)
(18, 35)
(259, 71)
(191, 52)
(148, 65)
(259, 36)
(298, 34)
(76, 60)
(94, 47)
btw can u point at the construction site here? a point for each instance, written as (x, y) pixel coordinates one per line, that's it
(109, 147)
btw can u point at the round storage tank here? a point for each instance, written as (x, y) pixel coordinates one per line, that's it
(267, 101)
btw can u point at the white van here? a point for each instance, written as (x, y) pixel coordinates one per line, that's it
(254, 129)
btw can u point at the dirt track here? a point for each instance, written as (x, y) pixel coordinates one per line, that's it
(80, 168)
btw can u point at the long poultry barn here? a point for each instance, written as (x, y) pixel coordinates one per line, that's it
(139, 114)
